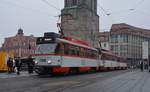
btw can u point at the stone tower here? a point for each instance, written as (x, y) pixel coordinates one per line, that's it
(80, 20)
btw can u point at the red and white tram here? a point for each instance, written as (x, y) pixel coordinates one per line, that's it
(56, 54)
(111, 61)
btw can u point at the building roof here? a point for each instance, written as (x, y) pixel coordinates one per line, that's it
(103, 36)
(128, 29)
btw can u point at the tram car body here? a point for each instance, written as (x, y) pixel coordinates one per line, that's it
(55, 54)
(63, 55)
(111, 61)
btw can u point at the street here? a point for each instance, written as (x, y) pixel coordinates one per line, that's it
(116, 81)
(128, 82)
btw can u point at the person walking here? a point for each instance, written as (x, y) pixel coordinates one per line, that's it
(10, 65)
(17, 65)
(132, 67)
(30, 64)
(141, 66)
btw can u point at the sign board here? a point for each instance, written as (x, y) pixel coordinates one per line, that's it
(145, 50)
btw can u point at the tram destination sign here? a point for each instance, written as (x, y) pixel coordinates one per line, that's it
(44, 40)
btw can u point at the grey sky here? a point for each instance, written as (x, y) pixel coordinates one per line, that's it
(36, 17)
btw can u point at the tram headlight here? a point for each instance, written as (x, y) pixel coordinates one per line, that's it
(36, 62)
(49, 61)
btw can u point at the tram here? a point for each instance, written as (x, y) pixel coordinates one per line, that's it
(56, 54)
(64, 55)
(111, 61)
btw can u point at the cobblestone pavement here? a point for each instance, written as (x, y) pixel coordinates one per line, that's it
(116, 81)
(14, 75)
(134, 81)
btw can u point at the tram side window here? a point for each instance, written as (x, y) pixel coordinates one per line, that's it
(104, 57)
(88, 53)
(94, 54)
(59, 48)
(71, 51)
(91, 53)
(77, 51)
(74, 50)
(81, 54)
(66, 50)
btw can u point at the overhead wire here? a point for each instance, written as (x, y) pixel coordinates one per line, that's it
(57, 2)
(51, 5)
(143, 12)
(104, 11)
(131, 9)
(26, 8)
(138, 4)
(127, 10)
(100, 8)
(107, 14)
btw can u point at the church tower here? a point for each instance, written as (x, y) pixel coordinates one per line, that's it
(79, 19)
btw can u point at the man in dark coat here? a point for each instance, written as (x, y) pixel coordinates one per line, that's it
(17, 65)
(141, 66)
(30, 64)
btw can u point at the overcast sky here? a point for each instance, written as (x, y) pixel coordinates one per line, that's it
(36, 17)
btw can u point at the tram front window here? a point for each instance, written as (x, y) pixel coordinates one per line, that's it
(45, 49)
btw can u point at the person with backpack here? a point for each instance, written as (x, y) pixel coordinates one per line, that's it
(10, 65)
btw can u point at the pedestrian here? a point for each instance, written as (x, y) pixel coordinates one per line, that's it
(10, 65)
(17, 65)
(30, 64)
(141, 66)
(132, 68)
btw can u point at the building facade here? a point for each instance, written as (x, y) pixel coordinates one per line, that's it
(80, 20)
(104, 40)
(21, 45)
(126, 41)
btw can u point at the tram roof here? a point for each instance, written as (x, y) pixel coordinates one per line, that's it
(108, 52)
(77, 44)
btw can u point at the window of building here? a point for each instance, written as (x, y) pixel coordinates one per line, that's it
(114, 38)
(70, 3)
(74, 2)
(66, 3)
(112, 48)
(123, 38)
(105, 45)
(116, 48)
(95, 5)
(123, 47)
